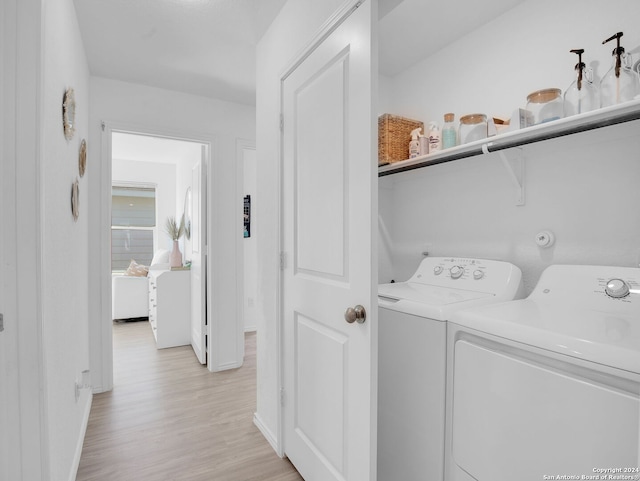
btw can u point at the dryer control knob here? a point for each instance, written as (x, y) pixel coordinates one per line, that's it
(477, 275)
(456, 272)
(617, 288)
(437, 270)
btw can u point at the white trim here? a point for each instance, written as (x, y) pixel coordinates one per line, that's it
(83, 430)
(241, 145)
(269, 436)
(229, 365)
(104, 331)
(327, 28)
(106, 323)
(333, 22)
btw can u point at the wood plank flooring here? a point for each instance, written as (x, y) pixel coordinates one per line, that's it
(168, 418)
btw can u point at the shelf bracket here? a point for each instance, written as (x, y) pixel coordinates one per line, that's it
(515, 169)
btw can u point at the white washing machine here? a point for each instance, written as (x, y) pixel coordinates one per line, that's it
(412, 357)
(548, 386)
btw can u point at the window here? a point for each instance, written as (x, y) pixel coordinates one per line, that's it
(133, 222)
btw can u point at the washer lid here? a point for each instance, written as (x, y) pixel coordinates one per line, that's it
(426, 294)
(611, 339)
(428, 301)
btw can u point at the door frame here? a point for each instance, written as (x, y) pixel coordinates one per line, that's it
(331, 24)
(241, 145)
(105, 331)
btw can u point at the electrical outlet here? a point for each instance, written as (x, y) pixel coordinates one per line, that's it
(84, 383)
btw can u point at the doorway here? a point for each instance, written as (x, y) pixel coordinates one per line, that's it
(165, 163)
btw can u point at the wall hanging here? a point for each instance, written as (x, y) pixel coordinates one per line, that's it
(247, 216)
(82, 158)
(75, 200)
(69, 113)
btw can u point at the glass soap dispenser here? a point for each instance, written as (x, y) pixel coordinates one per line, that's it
(582, 94)
(620, 83)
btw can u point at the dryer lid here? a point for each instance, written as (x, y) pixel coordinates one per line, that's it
(571, 311)
(610, 339)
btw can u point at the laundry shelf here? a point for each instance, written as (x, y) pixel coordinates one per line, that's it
(597, 119)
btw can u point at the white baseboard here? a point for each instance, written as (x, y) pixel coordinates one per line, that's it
(83, 431)
(266, 432)
(98, 390)
(227, 366)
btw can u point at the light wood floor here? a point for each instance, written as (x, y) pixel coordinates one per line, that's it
(168, 418)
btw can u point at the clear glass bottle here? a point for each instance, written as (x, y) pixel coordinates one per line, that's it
(620, 83)
(472, 127)
(449, 134)
(582, 95)
(544, 105)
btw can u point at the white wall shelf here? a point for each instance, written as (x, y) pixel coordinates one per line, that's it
(596, 119)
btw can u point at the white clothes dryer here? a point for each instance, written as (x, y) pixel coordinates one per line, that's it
(548, 387)
(412, 357)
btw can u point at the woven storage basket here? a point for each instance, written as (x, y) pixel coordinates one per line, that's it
(394, 135)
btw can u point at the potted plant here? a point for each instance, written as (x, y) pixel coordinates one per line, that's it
(175, 231)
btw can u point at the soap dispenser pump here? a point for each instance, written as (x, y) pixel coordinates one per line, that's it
(620, 83)
(582, 94)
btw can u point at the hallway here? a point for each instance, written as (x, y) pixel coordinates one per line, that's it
(168, 418)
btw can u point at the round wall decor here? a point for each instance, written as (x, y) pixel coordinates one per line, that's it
(75, 200)
(82, 159)
(69, 113)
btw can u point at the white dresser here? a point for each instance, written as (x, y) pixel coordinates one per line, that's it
(169, 307)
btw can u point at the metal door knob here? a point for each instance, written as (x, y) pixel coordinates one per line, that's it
(354, 314)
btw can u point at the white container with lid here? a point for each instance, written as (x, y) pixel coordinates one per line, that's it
(545, 105)
(472, 127)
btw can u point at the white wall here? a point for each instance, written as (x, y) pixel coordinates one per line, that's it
(158, 110)
(291, 30)
(23, 422)
(250, 296)
(65, 248)
(467, 208)
(493, 69)
(163, 176)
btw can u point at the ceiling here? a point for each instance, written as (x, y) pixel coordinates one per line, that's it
(147, 148)
(207, 47)
(202, 47)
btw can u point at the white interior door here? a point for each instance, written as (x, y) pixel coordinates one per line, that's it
(7, 396)
(199, 258)
(329, 202)
(10, 433)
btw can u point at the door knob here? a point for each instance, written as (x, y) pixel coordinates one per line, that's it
(355, 314)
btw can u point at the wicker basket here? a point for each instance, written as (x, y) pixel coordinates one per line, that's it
(394, 135)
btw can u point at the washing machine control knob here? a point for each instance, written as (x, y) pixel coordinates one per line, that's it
(477, 275)
(456, 272)
(437, 270)
(617, 288)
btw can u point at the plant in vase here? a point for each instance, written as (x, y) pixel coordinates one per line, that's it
(175, 231)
